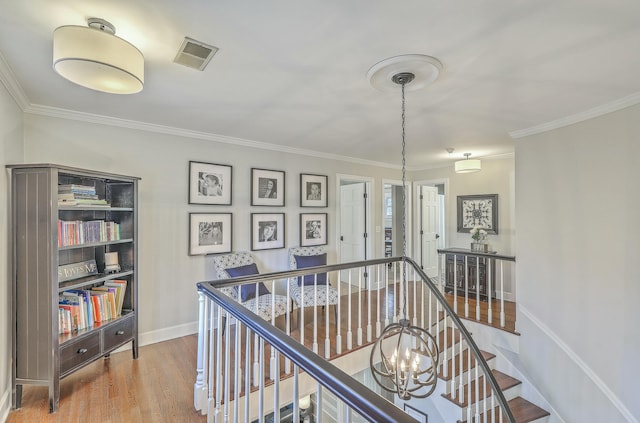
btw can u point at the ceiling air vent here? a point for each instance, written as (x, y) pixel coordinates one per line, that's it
(195, 54)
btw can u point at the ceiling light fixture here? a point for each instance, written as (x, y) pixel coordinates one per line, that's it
(468, 165)
(95, 58)
(404, 358)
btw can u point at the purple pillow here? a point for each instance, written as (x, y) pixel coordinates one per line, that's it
(311, 261)
(248, 291)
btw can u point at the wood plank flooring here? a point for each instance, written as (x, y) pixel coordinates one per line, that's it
(157, 387)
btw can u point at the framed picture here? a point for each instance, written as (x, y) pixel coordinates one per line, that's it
(267, 231)
(415, 413)
(210, 233)
(267, 187)
(209, 183)
(478, 210)
(313, 229)
(313, 190)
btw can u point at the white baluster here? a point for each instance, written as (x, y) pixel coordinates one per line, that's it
(502, 316)
(237, 373)
(200, 386)
(359, 329)
(349, 333)
(276, 387)
(247, 373)
(272, 375)
(227, 366)
(490, 271)
(287, 361)
(477, 288)
(261, 382)
(315, 313)
(369, 326)
(338, 315)
(455, 283)
(466, 286)
(327, 343)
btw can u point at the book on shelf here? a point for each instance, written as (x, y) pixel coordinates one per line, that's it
(76, 188)
(112, 308)
(121, 287)
(74, 314)
(87, 304)
(86, 232)
(64, 320)
(98, 306)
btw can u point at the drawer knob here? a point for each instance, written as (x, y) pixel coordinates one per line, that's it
(82, 350)
(120, 332)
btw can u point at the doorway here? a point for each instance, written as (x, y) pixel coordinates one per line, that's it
(392, 218)
(430, 218)
(354, 219)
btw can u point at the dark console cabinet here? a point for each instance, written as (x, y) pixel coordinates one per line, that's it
(459, 267)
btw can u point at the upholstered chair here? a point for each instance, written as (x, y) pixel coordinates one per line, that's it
(302, 290)
(265, 304)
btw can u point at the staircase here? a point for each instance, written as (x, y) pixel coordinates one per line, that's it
(481, 409)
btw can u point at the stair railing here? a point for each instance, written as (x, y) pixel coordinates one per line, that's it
(371, 298)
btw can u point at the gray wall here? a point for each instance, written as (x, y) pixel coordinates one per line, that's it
(168, 299)
(11, 151)
(578, 280)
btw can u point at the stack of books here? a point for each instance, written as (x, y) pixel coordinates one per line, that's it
(82, 308)
(79, 195)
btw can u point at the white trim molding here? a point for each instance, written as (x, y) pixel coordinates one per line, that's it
(612, 106)
(581, 364)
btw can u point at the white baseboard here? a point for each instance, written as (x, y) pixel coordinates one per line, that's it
(163, 334)
(5, 403)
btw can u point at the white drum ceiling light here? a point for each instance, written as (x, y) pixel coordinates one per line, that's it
(468, 165)
(94, 57)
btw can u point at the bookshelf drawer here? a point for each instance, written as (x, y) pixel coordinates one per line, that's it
(77, 353)
(118, 333)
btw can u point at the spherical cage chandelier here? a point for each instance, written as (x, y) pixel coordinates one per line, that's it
(408, 361)
(94, 57)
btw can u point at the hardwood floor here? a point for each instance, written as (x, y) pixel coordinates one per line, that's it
(157, 387)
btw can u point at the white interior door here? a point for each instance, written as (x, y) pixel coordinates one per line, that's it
(428, 230)
(352, 222)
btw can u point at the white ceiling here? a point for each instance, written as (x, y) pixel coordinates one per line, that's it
(293, 73)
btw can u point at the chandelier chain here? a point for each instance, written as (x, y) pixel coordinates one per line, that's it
(404, 209)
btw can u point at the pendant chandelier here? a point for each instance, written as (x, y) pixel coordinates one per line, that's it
(404, 359)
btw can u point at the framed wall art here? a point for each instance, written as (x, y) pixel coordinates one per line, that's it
(267, 187)
(416, 414)
(267, 231)
(313, 229)
(313, 190)
(210, 233)
(209, 183)
(478, 210)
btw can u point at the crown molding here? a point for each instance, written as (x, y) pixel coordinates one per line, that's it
(9, 80)
(612, 106)
(169, 130)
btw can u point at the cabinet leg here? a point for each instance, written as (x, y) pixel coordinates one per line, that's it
(54, 396)
(17, 396)
(134, 348)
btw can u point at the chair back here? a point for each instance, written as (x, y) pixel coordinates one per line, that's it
(303, 251)
(223, 262)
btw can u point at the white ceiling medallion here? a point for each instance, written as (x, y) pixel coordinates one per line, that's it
(426, 69)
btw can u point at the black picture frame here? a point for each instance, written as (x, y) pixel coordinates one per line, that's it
(210, 183)
(210, 233)
(478, 210)
(416, 414)
(313, 190)
(267, 231)
(313, 229)
(267, 187)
